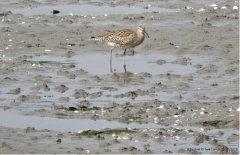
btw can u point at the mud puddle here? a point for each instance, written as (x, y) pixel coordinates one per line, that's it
(64, 124)
(99, 64)
(87, 10)
(179, 141)
(8, 2)
(72, 125)
(179, 94)
(140, 68)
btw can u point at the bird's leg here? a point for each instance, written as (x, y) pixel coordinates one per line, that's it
(124, 65)
(124, 53)
(111, 60)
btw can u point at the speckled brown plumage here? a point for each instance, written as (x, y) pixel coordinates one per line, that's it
(123, 38)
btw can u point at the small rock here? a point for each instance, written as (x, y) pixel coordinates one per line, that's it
(233, 138)
(22, 98)
(160, 62)
(61, 88)
(29, 129)
(45, 87)
(83, 104)
(59, 141)
(100, 137)
(55, 11)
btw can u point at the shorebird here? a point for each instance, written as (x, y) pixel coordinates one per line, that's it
(124, 39)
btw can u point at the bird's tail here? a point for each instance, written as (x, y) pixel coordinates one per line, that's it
(96, 38)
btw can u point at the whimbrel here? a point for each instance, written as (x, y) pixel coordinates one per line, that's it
(124, 39)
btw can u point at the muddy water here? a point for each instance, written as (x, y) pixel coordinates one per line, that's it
(64, 124)
(75, 125)
(135, 64)
(87, 10)
(180, 91)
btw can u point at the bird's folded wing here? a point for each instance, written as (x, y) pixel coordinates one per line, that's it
(120, 37)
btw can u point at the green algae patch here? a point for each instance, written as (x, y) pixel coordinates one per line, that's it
(222, 102)
(3, 14)
(89, 109)
(215, 123)
(117, 131)
(71, 66)
(60, 114)
(89, 133)
(235, 98)
(82, 109)
(59, 141)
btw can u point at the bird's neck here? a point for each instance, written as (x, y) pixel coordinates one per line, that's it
(141, 36)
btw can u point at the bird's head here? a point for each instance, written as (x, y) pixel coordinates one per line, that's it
(142, 30)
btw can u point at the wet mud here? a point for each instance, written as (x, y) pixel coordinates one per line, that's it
(179, 94)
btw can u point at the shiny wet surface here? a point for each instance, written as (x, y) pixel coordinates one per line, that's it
(85, 10)
(182, 81)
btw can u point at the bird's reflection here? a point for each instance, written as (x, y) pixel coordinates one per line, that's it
(124, 63)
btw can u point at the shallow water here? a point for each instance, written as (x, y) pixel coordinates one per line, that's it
(75, 125)
(99, 64)
(72, 125)
(86, 10)
(202, 87)
(8, 2)
(205, 147)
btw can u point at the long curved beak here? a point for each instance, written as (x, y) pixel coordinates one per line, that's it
(146, 33)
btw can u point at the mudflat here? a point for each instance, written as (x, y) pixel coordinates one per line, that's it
(179, 94)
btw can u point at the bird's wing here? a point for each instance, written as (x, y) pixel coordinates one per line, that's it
(120, 37)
